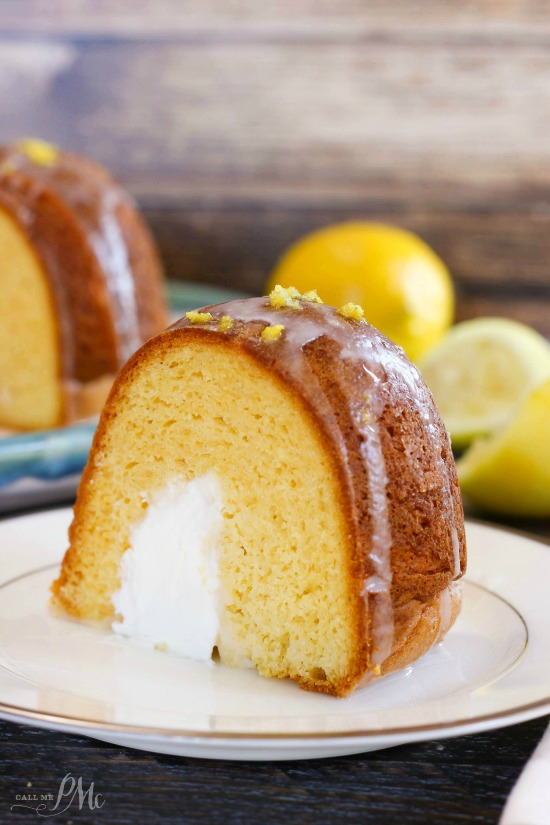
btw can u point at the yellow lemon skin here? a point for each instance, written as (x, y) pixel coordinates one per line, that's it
(403, 286)
(509, 474)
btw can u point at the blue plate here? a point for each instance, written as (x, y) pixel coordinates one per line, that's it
(44, 467)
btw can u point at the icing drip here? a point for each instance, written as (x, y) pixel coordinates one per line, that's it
(378, 585)
(112, 253)
(456, 553)
(444, 610)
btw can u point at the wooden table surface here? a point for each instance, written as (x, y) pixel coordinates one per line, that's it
(461, 780)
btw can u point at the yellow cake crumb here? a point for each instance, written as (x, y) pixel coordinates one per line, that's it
(273, 332)
(199, 317)
(161, 646)
(366, 417)
(312, 297)
(352, 311)
(38, 151)
(377, 670)
(281, 297)
(226, 323)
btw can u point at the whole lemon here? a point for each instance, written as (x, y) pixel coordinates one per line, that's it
(403, 286)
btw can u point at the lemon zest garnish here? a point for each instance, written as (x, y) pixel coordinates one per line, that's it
(281, 297)
(352, 311)
(312, 297)
(226, 323)
(38, 151)
(366, 417)
(272, 333)
(377, 670)
(199, 317)
(161, 646)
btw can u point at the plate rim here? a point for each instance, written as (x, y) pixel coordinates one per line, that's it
(492, 720)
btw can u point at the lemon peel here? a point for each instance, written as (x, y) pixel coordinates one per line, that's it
(281, 297)
(352, 311)
(199, 317)
(38, 151)
(312, 297)
(272, 333)
(226, 323)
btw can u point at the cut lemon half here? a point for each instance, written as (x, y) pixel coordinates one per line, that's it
(481, 371)
(510, 472)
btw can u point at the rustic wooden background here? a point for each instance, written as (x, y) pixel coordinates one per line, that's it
(239, 125)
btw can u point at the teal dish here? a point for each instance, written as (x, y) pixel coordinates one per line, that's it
(186, 296)
(48, 454)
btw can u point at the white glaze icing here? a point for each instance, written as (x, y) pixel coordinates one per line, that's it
(446, 598)
(379, 584)
(457, 572)
(112, 253)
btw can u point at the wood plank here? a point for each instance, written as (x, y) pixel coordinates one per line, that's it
(343, 115)
(500, 252)
(500, 262)
(464, 779)
(172, 17)
(532, 311)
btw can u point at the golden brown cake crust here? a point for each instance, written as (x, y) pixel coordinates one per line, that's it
(390, 449)
(102, 268)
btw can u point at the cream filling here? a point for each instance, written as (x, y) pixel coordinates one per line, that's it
(169, 594)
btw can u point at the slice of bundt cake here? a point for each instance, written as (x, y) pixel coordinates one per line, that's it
(271, 477)
(80, 281)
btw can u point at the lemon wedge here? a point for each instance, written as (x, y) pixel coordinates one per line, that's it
(509, 473)
(481, 371)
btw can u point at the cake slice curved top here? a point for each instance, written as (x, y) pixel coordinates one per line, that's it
(271, 477)
(81, 284)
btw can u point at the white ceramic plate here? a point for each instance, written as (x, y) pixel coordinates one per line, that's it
(492, 670)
